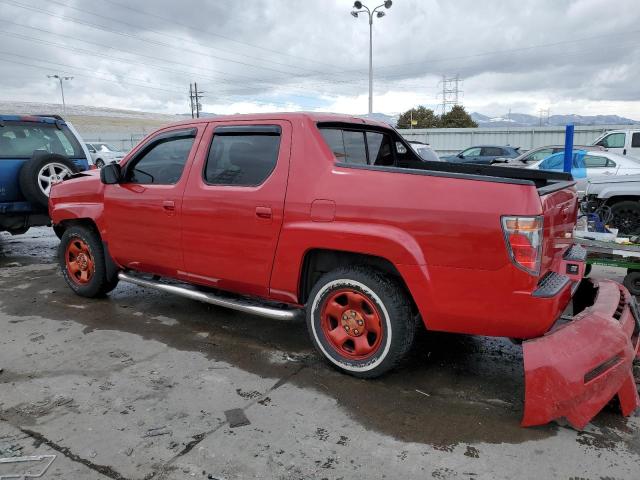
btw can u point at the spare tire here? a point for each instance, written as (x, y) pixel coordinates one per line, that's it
(40, 172)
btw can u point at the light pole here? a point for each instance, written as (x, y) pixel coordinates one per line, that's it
(362, 8)
(61, 78)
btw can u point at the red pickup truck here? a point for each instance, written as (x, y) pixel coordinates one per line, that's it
(277, 214)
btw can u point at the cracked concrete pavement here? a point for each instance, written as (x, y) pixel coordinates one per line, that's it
(135, 386)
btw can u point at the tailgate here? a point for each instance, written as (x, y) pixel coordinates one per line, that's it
(560, 210)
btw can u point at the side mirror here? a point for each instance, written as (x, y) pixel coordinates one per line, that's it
(111, 174)
(460, 155)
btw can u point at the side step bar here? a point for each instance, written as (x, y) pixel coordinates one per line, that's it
(240, 304)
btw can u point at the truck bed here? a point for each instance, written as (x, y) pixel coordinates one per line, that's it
(545, 181)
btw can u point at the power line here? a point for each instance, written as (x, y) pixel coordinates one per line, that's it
(173, 90)
(147, 40)
(174, 21)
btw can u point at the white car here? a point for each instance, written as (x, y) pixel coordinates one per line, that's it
(425, 151)
(623, 142)
(599, 164)
(103, 153)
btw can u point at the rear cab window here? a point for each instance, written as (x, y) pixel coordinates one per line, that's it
(362, 146)
(20, 140)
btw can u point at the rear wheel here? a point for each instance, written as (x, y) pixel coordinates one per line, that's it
(360, 320)
(99, 163)
(82, 261)
(40, 173)
(626, 217)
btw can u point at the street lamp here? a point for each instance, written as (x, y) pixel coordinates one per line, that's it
(362, 8)
(61, 78)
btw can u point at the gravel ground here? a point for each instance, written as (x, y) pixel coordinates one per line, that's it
(138, 385)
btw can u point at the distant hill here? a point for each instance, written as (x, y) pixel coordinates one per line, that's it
(526, 120)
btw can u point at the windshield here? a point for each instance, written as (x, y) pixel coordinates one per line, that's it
(22, 139)
(105, 147)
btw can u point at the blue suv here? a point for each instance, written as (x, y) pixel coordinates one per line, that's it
(35, 152)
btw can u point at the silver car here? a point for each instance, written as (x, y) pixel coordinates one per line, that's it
(103, 153)
(540, 153)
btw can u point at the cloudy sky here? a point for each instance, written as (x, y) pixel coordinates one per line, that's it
(571, 56)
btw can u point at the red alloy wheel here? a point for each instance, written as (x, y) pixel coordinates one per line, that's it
(351, 324)
(80, 264)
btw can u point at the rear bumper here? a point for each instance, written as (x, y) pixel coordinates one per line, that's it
(576, 368)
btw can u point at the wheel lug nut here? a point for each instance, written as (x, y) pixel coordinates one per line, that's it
(344, 317)
(346, 327)
(356, 331)
(360, 322)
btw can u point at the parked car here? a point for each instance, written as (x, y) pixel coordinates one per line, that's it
(588, 165)
(536, 154)
(301, 212)
(425, 151)
(103, 153)
(483, 154)
(623, 142)
(35, 152)
(619, 194)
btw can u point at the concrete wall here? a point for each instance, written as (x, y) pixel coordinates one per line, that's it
(451, 140)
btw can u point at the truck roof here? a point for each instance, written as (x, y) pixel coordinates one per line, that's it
(291, 116)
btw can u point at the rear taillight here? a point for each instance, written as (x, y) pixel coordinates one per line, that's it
(524, 241)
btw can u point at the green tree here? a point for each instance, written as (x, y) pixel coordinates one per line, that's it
(423, 118)
(457, 118)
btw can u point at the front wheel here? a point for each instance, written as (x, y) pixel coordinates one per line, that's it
(626, 217)
(82, 261)
(360, 320)
(99, 163)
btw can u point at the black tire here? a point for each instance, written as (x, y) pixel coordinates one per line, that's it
(31, 184)
(632, 282)
(392, 307)
(99, 283)
(626, 217)
(99, 163)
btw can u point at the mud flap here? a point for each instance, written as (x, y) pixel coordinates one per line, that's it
(575, 370)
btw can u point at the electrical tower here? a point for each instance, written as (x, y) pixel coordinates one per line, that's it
(195, 96)
(544, 116)
(451, 92)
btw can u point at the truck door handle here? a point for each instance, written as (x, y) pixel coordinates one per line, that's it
(263, 212)
(169, 206)
(624, 152)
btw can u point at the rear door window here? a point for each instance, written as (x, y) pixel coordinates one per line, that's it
(242, 156)
(492, 152)
(596, 161)
(23, 139)
(635, 140)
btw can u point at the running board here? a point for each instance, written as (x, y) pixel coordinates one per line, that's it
(240, 304)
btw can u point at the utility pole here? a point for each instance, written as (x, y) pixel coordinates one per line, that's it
(191, 99)
(60, 78)
(194, 98)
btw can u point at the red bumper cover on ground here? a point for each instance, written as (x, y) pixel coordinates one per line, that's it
(574, 370)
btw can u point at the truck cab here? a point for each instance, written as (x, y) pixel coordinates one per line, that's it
(623, 142)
